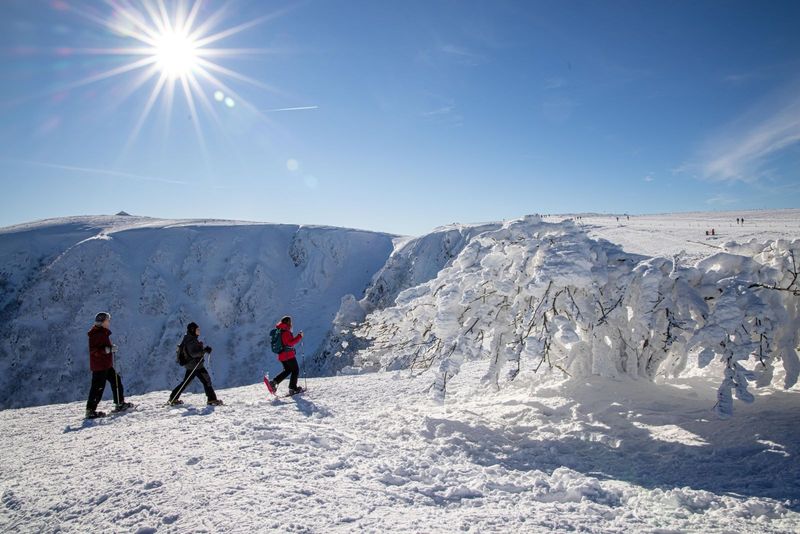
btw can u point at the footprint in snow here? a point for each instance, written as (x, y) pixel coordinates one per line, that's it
(194, 460)
(153, 484)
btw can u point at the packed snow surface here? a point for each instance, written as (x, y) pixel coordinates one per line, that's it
(371, 453)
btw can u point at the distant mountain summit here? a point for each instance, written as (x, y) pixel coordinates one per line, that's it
(123, 214)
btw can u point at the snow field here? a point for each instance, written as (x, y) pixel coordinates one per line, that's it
(371, 453)
(670, 233)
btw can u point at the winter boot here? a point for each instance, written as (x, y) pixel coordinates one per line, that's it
(94, 414)
(215, 402)
(176, 402)
(122, 407)
(296, 391)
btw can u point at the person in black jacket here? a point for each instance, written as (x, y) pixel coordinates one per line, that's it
(193, 360)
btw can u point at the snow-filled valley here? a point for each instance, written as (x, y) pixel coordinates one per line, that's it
(601, 374)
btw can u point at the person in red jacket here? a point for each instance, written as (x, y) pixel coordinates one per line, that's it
(101, 363)
(287, 357)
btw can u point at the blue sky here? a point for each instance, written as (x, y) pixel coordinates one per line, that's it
(424, 112)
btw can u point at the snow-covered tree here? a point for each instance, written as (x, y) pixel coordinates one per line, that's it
(533, 296)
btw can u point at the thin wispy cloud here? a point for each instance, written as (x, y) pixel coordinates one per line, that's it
(444, 110)
(761, 72)
(298, 108)
(558, 109)
(649, 178)
(462, 54)
(556, 82)
(721, 200)
(748, 145)
(738, 77)
(96, 171)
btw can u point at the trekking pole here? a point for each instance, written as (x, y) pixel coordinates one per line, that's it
(186, 381)
(116, 374)
(303, 356)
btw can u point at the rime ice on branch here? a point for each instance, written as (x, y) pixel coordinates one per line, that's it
(531, 297)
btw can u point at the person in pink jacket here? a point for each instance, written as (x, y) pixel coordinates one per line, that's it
(287, 357)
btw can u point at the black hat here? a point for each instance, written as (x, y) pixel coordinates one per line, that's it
(191, 328)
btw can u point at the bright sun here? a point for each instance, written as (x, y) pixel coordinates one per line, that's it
(176, 51)
(176, 54)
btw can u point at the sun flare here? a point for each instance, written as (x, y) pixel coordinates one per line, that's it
(173, 47)
(176, 54)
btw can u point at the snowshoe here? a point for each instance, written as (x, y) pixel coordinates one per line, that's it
(215, 402)
(296, 391)
(94, 414)
(271, 385)
(122, 407)
(177, 402)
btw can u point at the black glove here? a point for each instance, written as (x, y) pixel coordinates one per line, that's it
(207, 350)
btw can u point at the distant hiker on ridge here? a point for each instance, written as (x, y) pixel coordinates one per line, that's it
(101, 363)
(284, 341)
(191, 355)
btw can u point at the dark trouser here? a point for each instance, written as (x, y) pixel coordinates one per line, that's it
(199, 372)
(289, 367)
(99, 379)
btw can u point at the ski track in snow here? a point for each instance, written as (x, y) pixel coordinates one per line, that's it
(370, 453)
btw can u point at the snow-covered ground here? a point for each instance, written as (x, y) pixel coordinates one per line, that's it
(371, 453)
(671, 233)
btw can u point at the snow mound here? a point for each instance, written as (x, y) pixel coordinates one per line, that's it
(532, 296)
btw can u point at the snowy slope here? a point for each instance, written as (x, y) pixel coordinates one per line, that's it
(414, 261)
(234, 279)
(670, 233)
(370, 453)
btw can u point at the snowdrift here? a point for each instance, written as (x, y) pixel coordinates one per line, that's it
(154, 276)
(530, 297)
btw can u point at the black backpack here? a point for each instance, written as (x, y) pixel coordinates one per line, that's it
(180, 355)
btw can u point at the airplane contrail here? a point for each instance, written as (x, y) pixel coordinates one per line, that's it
(290, 109)
(90, 170)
